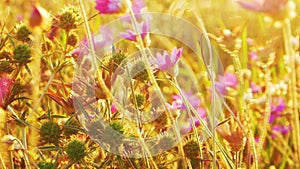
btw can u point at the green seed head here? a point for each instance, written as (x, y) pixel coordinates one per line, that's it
(116, 60)
(6, 67)
(22, 53)
(191, 149)
(69, 19)
(72, 39)
(46, 165)
(140, 100)
(23, 34)
(50, 132)
(76, 150)
(139, 72)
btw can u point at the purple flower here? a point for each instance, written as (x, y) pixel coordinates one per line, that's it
(137, 6)
(113, 108)
(143, 29)
(100, 40)
(111, 6)
(255, 88)
(187, 126)
(253, 56)
(166, 62)
(266, 6)
(280, 129)
(6, 84)
(277, 107)
(192, 99)
(229, 80)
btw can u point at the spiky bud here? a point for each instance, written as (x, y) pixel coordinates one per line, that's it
(72, 39)
(46, 165)
(22, 53)
(50, 132)
(139, 72)
(6, 67)
(116, 59)
(76, 150)
(191, 149)
(22, 34)
(140, 99)
(68, 19)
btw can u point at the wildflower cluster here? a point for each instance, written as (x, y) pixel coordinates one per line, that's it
(80, 91)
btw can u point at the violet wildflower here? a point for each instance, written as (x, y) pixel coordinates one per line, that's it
(265, 6)
(112, 6)
(137, 7)
(143, 29)
(100, 40)
(255, 88)
(229, 80)
(192, 99)
(280, 129)
(6, 84)
(187, 124)
(168, 63)
(253, 56)
(174, 108)
(277, 107)
(113, 108)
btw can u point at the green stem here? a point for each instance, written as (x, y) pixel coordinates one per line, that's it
(92, 50)
(192, 118)
(2, 162)
(138, 113)
(153, 80)
(243, 106)
(267, 110)
(292, 88)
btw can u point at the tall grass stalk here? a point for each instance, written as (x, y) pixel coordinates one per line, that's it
(225, 156)
(100, 80)
(267, 113)
(143, 50)
(287, 33)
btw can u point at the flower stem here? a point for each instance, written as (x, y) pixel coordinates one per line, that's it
(292, 88)
(92, 50)
(267, 110)
(153, 80)
(243, 106)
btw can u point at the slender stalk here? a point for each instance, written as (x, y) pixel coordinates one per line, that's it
(92, 50)
(153, 80)
(2, 162)
(210, 69)
(192, 118)
(138, 113)
(36, 105)
(267, 110)
(70, 163)
(95, 64)
(287, 33)
(243, 106)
